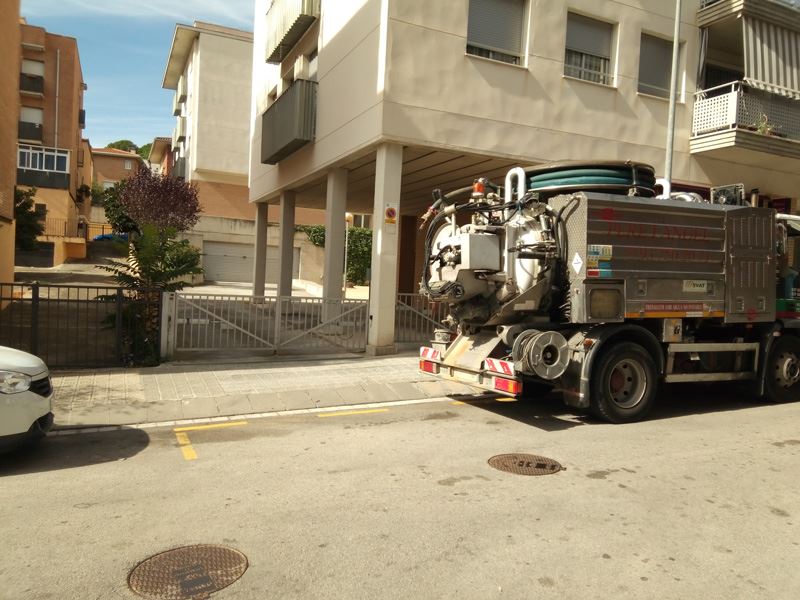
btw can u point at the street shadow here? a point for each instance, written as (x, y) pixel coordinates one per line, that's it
(683, 399)
(548, 413)
(57, 452)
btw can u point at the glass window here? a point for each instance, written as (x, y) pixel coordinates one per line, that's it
(588, 51)
(22, 161)
(49, 162)
(495, 29)
(61, 163)
(128, 165)
(655, 66)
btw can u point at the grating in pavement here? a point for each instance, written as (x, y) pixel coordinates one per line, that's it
(525, 464)
(187, 573)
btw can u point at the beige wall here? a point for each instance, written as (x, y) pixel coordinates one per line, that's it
(405, 77)
(221, 126)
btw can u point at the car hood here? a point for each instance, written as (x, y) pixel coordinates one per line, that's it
(22, 362)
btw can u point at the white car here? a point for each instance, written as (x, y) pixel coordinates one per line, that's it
(26, 395)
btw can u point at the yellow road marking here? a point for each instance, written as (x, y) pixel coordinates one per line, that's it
(457, 403)
(503, 399)
(212, 426)
(352, 412)
(186, 446)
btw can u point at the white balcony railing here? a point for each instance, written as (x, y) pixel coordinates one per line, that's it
(738, 106)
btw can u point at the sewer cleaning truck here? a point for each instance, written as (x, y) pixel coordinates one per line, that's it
(578, 276)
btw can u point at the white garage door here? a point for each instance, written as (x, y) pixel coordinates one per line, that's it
(224, 261)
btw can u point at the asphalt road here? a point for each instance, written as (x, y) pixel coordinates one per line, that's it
(699, 502)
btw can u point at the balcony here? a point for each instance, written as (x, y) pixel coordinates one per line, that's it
(31, 84)
(31, 132)
(178, 170)
(735, 119)
(183, 89)
(176, 106)
(60, 227)
(180, 129)
(781, 12)
(287, 21)
(290, 123)
(42, 167)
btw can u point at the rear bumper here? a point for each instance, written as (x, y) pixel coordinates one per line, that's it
(482, 380)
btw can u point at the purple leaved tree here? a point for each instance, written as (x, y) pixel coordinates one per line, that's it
(160, 201)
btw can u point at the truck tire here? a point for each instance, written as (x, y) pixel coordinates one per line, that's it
(782, 372)
(624, 382)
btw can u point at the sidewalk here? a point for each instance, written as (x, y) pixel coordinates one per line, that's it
(176, 391)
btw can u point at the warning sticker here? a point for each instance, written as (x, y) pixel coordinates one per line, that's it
(674, 307)
(577, 263)
(600, 251)
(698, 286)
(390, 216)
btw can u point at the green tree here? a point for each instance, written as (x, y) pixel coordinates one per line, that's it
(126, 145)
(359, 249)
(28, 225)
(115, 213)
(144, 151)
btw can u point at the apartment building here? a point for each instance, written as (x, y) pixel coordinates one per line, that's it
(50, 149)
(210, 68)
(366, 106)
(160, 157)
(9, 116)
(112, 165)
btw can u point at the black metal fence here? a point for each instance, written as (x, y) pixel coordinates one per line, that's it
(81, 326)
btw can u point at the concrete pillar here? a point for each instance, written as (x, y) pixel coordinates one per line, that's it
(332, 276)
(260, 267)
(385, 224)
(286, 245)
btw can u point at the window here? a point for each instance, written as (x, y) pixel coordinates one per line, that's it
(655, 66)
(33, 67)
(28, 114)
(128, 164)
(588, 50)
(362, 220)
(40, 210)
(43, 159)
(495, 29)
(108, 184)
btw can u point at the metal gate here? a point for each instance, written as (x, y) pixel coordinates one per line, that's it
(202, 322)
(81, 326)
(416, 317)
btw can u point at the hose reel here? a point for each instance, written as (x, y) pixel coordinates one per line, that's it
(541, 353)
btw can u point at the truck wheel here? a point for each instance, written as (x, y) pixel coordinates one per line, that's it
(624, 384)
(782, 373)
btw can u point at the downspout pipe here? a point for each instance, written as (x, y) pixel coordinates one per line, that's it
(673, 93)
(58, 81)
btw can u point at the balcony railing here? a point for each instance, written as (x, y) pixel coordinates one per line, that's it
(31, 83)
(60, 227)
(290, 123)
(287, 21)
(738, 106)
(29, 131)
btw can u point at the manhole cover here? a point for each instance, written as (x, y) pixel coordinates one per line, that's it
(525, 464)
(187, 573)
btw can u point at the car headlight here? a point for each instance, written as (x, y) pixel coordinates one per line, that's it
(13, 383)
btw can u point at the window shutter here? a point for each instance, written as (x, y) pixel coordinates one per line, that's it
(496, 24)
(655, 65)
(589, 36)
(32, 67)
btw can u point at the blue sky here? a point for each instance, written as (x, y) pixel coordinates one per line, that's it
(123, 46)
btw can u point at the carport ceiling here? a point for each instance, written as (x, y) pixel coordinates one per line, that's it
(423, 170)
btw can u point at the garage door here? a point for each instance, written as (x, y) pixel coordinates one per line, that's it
(234, 262)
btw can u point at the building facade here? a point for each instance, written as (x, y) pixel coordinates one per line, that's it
(50, 149)
(366, 106)
(9, 116)
(111, 165)
(210, 67)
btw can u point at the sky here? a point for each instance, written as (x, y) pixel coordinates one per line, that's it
(123, 45)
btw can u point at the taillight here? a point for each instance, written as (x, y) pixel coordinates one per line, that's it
(427, 366)
(510, 386)
(478, 187)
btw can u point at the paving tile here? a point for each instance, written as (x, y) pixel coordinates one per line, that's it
(326, 397)
(90, 416)
(265, 402)
(238, 404)
(353, 394)
(196, 408)
(379, 392)
(163, 411)
(432, 389)
(296, 399)
(405, 391)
